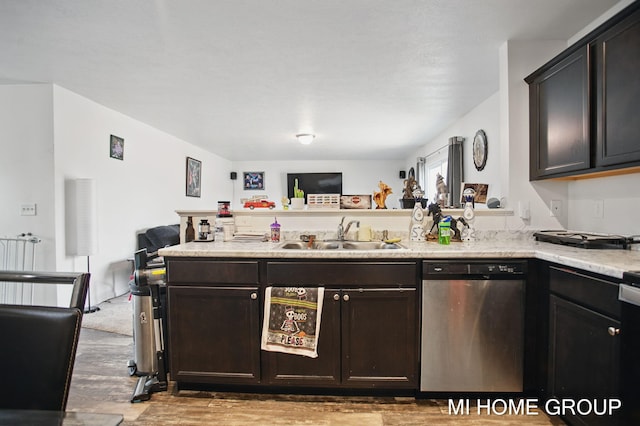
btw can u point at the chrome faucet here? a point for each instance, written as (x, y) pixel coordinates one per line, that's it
(342, 231)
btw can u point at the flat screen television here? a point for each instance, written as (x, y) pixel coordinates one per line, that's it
(315, 183)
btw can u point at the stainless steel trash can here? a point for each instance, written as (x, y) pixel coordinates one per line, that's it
(148, 291)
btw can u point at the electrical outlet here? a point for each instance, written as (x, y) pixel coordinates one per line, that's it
(598, 208)
(556, 208)
(28, 210)
(524, 210)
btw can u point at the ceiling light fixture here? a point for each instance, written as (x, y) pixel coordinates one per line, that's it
(305, 138)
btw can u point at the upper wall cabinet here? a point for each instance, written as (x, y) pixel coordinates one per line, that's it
(559, 118)
(617, 59)
(583, 104)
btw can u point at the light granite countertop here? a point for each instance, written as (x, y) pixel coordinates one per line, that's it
(607, 262)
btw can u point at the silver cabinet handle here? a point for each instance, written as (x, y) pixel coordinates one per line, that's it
(613, 331)
(336, 296)
(345, 297)
(254, 296)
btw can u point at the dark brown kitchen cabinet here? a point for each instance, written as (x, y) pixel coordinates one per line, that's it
(323, 371)
(559, 118)
(617, 57)
(214, 334)
(214, 321)
(368, 339)
(379, 343)
(369, 334)
(583, 104)
(584, 343)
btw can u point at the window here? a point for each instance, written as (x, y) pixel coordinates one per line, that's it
(433, 164)
(433, 169)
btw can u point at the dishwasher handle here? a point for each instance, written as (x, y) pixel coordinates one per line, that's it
(629, 294)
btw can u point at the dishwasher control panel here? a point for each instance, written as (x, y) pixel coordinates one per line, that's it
(430, 267)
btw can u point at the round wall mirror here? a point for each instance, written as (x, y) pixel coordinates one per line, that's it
(480, 150)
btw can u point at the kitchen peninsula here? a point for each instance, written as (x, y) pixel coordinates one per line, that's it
(370, 335)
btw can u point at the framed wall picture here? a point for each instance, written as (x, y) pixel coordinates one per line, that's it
(194, 170)
(116, 147)
(253, 180)
(481, 191)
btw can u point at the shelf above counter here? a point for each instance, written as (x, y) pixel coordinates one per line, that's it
(338, 212)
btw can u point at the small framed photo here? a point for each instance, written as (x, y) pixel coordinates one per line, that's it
(253, 180)
(481, 191)
(194, 170)
(116, 147)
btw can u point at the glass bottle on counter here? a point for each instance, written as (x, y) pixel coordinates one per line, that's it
(190, 232)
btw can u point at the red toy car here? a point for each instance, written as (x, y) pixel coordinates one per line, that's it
(252, 204)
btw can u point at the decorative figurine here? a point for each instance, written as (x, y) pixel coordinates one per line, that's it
(435, 212)
(416, 229)
(411, 194)
(380, 197)
(410, 185)
(285, 203)
(441, 191)
(468, 215)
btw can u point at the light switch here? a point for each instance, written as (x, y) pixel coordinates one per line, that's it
(556, 208)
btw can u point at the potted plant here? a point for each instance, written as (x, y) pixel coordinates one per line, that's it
(297, 202)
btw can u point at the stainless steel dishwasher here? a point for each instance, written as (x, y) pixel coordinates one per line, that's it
(472, 326)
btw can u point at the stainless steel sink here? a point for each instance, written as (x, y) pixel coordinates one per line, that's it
(316, 245)
(340, 245)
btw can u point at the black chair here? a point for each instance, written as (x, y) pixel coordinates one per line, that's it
(38, 344)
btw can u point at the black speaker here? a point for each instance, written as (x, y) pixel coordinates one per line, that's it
(403, 174)
(233, 176)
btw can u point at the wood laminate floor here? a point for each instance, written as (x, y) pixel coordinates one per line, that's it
(101, 384)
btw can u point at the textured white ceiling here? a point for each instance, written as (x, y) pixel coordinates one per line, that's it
(373, 79)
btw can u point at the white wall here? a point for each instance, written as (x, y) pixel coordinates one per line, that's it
(26, 120)
(485, 116)
(358, 177)
(504, 117)
(142, 191)
(619, 203)
(517, 60)
(26, 167)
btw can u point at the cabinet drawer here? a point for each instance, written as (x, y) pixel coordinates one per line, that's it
(340, 273)
(213, 271)
(596, 293)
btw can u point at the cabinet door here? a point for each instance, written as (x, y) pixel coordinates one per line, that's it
(559, 118)
(296, 370)
(380, 338)
(583, 356)
(214, 333)
(618, 93)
